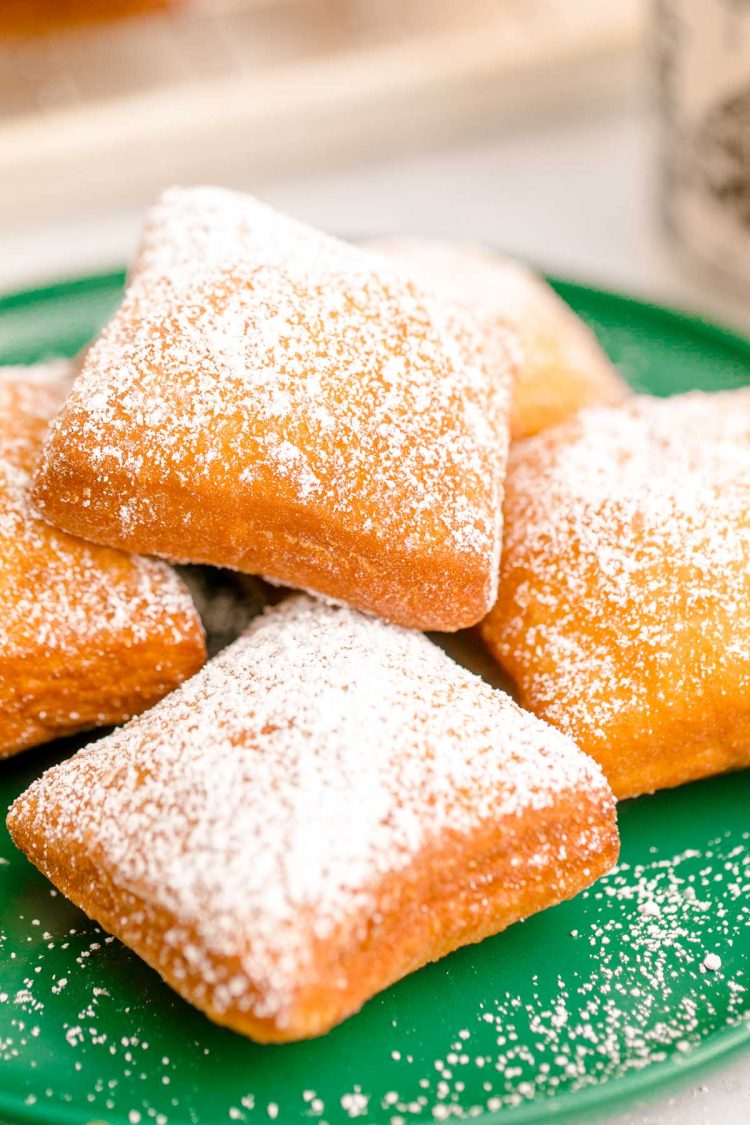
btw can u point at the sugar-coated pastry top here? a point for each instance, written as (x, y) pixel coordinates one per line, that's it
(29, 398)
(271, 792)
(55, 589)
(259, 356)
(628, 542)
(468, 272)
(561, 366)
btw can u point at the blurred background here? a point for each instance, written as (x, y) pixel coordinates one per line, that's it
(606, 141)
(553, 129)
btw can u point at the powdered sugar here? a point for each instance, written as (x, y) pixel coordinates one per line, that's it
(628, 543)
(265, 799)
(627, 992)
(79, 593)
(561, 367)
(468, 272)
(59, 594)
(254, 357)
(29, 398)
(640, 995)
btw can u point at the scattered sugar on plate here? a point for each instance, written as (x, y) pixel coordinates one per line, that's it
(648, 987)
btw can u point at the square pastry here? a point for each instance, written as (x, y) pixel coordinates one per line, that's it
(561, 366)
(90, 636)
(329, 804)
(625, 582)
(276, 401)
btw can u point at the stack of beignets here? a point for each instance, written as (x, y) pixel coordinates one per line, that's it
(331, 802)
(90, 636)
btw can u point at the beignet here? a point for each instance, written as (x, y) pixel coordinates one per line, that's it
(275, 401)
(625, 581)
(328, 805)
(89, 636)
(562, 367)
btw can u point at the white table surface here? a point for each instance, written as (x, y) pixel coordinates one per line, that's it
(572, 190)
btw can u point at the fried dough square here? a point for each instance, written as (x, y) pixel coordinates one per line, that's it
(625, 581)
(90, 636)
(275, 401)
(562, 367)
(328, 805)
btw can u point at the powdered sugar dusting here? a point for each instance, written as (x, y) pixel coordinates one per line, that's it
(561, 366)
(630, 990)
(468, 272)
(261, 803)
(628, 542)
(253, 356)
(29, 398)
(641, 994)
(60, 595)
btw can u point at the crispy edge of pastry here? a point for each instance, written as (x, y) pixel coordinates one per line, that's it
(454, 893)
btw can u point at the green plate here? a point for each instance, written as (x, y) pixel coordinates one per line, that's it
(577, 1011)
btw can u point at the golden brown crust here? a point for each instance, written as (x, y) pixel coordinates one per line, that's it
(565, 368)
(307, 549)
(327, 806)
(562, 369)
(91, 636)
(624, 567)
(456, 893)
(271, 400)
